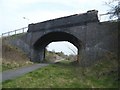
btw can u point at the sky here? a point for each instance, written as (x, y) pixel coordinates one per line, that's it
(15, 14)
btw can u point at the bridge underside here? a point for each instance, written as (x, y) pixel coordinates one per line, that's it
(40, 45)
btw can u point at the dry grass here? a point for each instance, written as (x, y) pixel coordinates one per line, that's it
(13, 57)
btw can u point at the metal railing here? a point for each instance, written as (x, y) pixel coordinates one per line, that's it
(106, 14)
(14, 32)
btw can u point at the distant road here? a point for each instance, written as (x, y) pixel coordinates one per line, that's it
(59, 60)
(12, 74)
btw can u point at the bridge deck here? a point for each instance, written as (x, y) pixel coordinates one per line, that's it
(73, 20)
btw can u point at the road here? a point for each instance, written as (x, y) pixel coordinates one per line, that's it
(12, 74)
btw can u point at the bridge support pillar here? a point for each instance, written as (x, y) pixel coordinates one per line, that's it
(37, 55)
(80, 57)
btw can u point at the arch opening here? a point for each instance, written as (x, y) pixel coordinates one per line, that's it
(62, 46)
(42, 42)
(60, 51)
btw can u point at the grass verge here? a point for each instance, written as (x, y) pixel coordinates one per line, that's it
(103, 74)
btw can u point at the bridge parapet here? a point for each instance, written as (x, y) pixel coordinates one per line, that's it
(68, 21)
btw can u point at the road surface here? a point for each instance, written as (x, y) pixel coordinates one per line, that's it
(12, 74)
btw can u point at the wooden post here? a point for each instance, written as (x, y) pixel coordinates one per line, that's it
(15, 32)
(23, 30)
(8, 33)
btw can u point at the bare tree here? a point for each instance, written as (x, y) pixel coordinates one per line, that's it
(73, 50)
(75, 57)
(114, 10)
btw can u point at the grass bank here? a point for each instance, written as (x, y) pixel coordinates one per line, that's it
(13, 57)
(104, 74)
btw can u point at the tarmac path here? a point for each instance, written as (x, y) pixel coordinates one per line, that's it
(12, 74)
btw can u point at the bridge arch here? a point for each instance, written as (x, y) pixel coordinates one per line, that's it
(43, 41)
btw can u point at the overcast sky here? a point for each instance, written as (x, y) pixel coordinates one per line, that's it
(13, 11)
